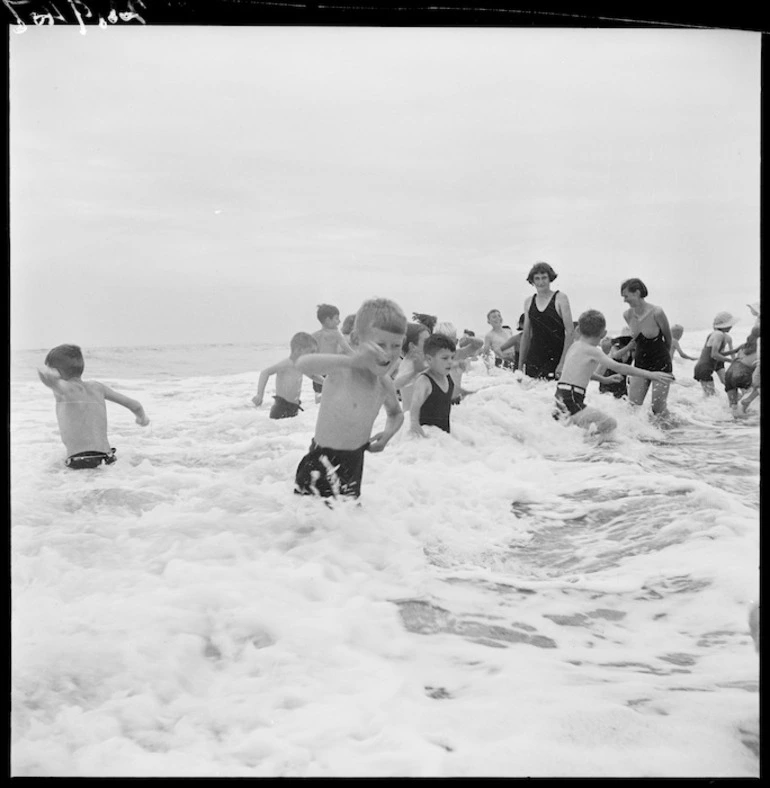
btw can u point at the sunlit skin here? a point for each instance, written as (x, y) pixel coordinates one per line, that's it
(543, 294)
(288, 379)
(355, 388)
(439, 369)
(638, 311)
(82, 413)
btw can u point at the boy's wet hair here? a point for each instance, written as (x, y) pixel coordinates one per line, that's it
(591, 323)
(380, 313)
(447, 329)
(413, 331)
(347, 324)
(303, 341)
(67, 360)
(429, 321)
(325, 311)
(541, 268)
(436, 342)
(634, 285)
(468, 332)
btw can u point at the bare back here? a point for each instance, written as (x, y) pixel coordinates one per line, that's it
(581, 361)
(82, 415)
(288, 382)
(351, 400)
(330, 340)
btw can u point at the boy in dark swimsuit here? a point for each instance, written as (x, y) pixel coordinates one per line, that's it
(434, 389)
(288, 379)
(81, 410)
(355, 388)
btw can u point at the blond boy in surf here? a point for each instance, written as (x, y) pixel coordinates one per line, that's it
(355, 388)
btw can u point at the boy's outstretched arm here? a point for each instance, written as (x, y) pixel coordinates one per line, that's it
(133, 405)
(264, 376)
(466, 351)
(627, 369)
(404, 380)
(323, 363)
(393, 422)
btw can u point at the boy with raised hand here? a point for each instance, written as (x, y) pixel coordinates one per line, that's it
(355, 388)
(288, 379)
(434, 389)
(329, 338)
(81, 410)
(581, 362)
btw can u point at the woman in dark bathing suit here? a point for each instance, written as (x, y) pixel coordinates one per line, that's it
(547, 326)
(652, 344)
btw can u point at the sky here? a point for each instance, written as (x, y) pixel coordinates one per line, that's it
(191, 185)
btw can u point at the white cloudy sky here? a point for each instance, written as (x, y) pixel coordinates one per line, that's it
(193, 185)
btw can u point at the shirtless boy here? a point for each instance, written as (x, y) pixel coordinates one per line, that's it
(288, 379)
(677, 332)
(81, 410)
(497, 337)
(329, 338)
(355, 388)
(433, 394)
(581, 362)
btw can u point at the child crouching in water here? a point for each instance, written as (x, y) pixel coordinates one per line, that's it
(288, 379)
(355, 388)
(434, 389)
(81, 410)
(581, 362)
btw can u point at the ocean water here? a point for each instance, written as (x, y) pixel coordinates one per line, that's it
(508, 600)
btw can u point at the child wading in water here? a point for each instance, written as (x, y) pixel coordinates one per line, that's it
(81, 410)
(355, 389)
(434, 390)
(583, 359)
(288, 379)
(715, 352)
(329, 338)
(676, 334)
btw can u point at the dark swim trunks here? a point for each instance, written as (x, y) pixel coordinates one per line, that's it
(569, 400)
(90, 459)
(738, 376)
(330, 473)
(505, 363)
(283, 409)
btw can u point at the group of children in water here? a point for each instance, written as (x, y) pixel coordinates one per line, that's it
(381, 359)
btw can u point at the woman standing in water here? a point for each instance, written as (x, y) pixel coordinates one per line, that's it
(651, 341)
(547, 326)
